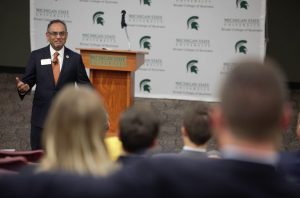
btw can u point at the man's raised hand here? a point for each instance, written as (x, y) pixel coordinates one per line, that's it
(21, 86)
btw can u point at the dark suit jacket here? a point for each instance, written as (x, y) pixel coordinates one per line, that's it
(193, 154)
(157, 177)
(72, 71)
(130, 159)
(184, 153)
(289, 164)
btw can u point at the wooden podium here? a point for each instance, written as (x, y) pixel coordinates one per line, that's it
(112, 74)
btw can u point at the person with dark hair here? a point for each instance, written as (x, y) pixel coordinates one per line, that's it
(138, 130)
(248, 123)
(195, 133)
(50, 68)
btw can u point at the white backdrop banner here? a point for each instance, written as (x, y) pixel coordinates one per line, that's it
(192, 44)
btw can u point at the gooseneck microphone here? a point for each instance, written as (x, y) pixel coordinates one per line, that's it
(124, 25)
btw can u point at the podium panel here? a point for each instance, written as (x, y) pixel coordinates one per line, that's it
(112, 75)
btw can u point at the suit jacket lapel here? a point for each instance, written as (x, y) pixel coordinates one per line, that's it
(64, 65)
(47, 55)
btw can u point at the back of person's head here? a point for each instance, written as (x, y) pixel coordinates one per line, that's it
(253, 98)
(197, 124)
(73, 137)
(138, 129)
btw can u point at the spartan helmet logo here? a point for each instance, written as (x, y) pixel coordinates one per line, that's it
(192, 23)
(240, 47)
(145, 2)
(98, 19)
(144, 85)
(243, 4)
(145, 43)
(192, 67)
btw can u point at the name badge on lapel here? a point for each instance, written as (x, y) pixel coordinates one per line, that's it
(46, 61)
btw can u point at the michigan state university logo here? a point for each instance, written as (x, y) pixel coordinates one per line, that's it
(144, 85)
(240, 47)
(145, 43)
(145, 2)
(191, 67)
(243, 4)
(192, 22)
(98, 18)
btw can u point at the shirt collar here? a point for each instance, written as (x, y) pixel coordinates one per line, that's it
(188, 148)
(61, 51)
(236, 153)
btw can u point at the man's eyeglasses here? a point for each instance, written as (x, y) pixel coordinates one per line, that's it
(57, 33)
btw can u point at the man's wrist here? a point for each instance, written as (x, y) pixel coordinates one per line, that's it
(22, 93)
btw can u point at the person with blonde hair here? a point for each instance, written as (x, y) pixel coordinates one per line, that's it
(254, 110)
(74, 133)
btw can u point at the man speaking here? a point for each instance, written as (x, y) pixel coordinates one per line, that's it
(50, 68)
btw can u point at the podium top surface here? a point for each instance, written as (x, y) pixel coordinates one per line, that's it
(112, 50)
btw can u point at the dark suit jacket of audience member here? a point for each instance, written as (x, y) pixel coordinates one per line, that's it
(184, 153)
(193, 154)
(160, 177)
(130, 159)
(289, 164)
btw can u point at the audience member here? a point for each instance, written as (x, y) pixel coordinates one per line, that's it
(195, 132)
(138, 130)
(74, 134)
(114, 147)
(113, 144)
(289, 162)
(247, 123)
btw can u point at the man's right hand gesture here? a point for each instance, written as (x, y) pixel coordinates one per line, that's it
(21, 86)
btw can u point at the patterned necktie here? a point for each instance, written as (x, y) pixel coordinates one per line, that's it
(55, 67)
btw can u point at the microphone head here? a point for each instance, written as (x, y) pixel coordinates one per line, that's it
(123, 23)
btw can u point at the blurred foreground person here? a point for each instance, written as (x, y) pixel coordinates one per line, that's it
(74, 134)
(289, 162)
(138, 131)
(248, 123)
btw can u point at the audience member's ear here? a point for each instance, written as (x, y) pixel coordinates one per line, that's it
(286, 117)
(107, 126)
(118, 134)
(154, 143)
(183, 131)
(219, 127)
(216, 119)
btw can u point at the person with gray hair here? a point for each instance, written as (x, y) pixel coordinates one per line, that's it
(50, 69)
